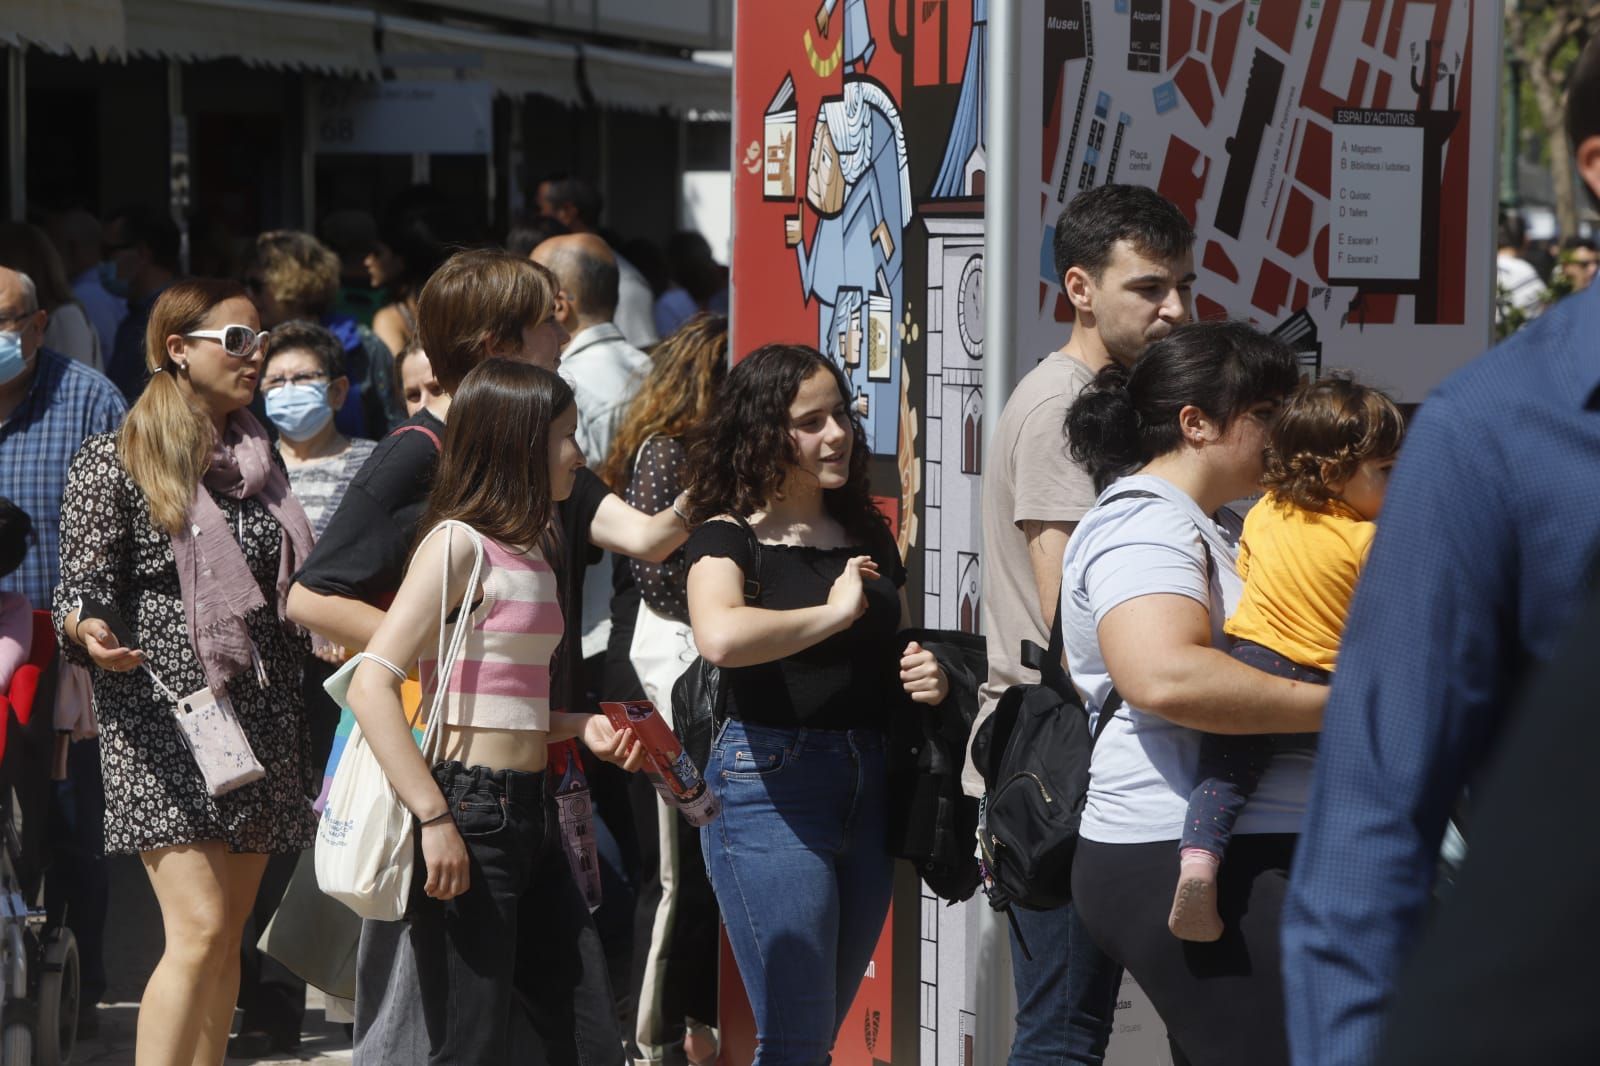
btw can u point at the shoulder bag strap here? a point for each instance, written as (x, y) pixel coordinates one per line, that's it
(752, 582)
(1049, 665)
(1114, 701)
(452, 638)
(424, 430)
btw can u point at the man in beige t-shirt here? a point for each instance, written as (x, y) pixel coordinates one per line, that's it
(1125, 257)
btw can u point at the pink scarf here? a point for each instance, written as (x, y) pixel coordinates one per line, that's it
(218, 589)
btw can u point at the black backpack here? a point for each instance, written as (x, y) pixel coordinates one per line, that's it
(1033, 753)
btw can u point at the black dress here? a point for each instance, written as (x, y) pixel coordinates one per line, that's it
(155, 796)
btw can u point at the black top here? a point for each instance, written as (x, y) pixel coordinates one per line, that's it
(363, 552)
(847, 681)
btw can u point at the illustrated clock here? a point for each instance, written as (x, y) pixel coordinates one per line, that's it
(969, 307)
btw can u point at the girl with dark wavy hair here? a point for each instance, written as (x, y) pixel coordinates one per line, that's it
(796, 590)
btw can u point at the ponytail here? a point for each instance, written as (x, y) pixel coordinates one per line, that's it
(166, 439)
(1129, 415)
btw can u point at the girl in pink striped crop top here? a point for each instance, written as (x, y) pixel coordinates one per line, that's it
(486, 818)
(502, 678)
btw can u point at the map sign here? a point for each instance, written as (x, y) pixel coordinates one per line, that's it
(1323, 149)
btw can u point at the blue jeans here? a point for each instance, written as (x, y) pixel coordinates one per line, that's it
(799, 866)
(1067, 993)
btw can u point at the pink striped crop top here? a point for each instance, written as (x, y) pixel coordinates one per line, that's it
(502, 679)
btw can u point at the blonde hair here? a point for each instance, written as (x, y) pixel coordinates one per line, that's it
(165, 441)
(301, 271)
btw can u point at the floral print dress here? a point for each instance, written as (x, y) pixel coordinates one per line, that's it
(155, 796)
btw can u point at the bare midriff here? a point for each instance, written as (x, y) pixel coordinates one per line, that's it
(497, 749)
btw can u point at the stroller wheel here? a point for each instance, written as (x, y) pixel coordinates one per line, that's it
(16, 1047)
(58, 1001)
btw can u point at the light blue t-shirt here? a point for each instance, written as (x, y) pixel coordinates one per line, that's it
(1144, 767)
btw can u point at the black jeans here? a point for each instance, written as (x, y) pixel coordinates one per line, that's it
(519, 940)
(78, 888)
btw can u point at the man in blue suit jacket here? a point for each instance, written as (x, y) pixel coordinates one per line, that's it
(1487, 544)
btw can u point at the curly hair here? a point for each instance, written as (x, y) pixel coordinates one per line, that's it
(1325, 431)
(301, 272)
(739, 458)
(688, 369)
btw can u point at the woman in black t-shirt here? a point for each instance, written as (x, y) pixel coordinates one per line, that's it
(796, 591)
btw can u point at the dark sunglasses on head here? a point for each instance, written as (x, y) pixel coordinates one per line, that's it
(241, 342)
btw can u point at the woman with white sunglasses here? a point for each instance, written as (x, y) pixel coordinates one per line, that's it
(181, 524)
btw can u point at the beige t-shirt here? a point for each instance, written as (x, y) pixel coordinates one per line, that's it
(1031, 478)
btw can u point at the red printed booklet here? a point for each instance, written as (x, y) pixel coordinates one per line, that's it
(669, 767)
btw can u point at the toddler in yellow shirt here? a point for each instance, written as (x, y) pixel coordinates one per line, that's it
(1303, 546)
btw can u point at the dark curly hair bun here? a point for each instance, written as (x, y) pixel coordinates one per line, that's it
(1103, 427)
(1129, 416)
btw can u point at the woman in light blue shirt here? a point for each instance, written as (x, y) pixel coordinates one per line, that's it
(1148, 580)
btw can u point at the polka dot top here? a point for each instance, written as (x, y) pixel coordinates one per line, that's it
(658, 476)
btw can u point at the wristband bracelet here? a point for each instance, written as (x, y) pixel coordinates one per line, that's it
(436, 819)
(678, 510)
(77, 630)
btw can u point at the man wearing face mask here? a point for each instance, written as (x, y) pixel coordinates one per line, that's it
(303, 383)
(48, 405)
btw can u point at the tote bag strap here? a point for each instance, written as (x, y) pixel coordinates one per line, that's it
(452, 636)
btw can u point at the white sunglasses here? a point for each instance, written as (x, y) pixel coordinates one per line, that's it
(241, 342)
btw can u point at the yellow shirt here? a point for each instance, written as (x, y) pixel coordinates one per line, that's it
(1299, 569)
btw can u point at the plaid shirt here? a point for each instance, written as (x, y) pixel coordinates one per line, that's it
(65, 403)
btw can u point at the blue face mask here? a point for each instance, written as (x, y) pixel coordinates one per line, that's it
(12, 361)
(300, 411)
(109, 280)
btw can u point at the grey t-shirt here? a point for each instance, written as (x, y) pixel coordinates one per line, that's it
(1030, 478)
(1145, 766)
(320, 484)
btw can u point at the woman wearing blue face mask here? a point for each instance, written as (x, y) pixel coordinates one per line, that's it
(302, 384)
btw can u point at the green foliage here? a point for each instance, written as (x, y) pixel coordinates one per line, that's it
(1508, 318)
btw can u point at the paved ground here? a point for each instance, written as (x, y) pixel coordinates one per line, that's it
(133, 944)
(322, 1043)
